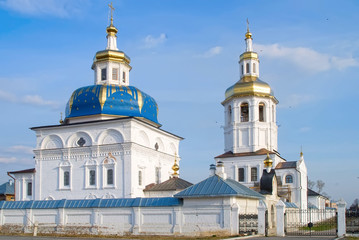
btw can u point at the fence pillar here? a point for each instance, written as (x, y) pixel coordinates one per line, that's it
(341, 217)
(234, 224)
(280, 207)
(262, 217)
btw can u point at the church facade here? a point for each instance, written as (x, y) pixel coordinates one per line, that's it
(110, 144)
(109, 166)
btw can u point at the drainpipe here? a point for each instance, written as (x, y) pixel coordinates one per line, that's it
(8, 173)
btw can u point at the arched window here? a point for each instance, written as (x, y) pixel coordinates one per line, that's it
(247, 68)
(244, 112)
(140, 178)
(261, 112)
(66, 178)
(288, 179)
(254, 67)
(242, 69)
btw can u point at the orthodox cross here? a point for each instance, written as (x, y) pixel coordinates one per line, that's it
(111, 9)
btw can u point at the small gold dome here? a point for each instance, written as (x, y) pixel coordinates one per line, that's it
(248, 34)
(268, 162)
(249, 86)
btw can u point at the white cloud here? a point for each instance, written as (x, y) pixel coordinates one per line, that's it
(58, 8)
(151, 41)
(306, 58)
(20, 149)
(34, 100)
(37, 100)
(212, 52)
(7, 159)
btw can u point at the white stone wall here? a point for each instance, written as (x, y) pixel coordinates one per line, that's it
(195, 217)
(127, 146)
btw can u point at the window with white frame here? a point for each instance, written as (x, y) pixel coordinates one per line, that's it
(114, 73)
(91, 181)
(108, 172)
(64, 175)
(240, 174)
(140, 178)
(254, 174)
(29, 189)
(158, 175)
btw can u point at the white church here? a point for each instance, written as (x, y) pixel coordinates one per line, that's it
(110, 152)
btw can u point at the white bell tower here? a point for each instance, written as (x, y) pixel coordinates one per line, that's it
(112, 66)
(250, 108)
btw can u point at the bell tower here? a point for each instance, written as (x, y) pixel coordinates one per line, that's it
(112, 66)
(249, 108)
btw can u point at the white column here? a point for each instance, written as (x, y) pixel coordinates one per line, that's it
(341, 217)
(177, 228)
(235, 219)
(136, 221)
(280, 207)
(262, 218)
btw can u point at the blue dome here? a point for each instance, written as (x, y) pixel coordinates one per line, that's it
(112, 100)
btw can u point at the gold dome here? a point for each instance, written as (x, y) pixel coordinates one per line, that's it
(249, 86)
(111, 55)
(268, 162)
(248, 34)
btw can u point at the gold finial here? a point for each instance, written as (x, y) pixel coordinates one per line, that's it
(268, 162)
(248, 33)
(175, 167)
(61, 121)
(301, 151)
(111, 10)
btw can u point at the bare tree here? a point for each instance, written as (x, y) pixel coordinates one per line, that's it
(311, 184)
(355, 205)
(320, 185)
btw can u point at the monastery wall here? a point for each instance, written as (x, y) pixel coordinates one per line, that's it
(150, 216)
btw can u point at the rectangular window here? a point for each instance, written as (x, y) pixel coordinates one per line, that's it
(158, 175)
(114, 73)
(123, 76)
(103, 74)
(254, 174)
(140, 178)
(240, 174)
(29, 189)
(109, 176)
(261, 112)
(66, 178)
(92, 177)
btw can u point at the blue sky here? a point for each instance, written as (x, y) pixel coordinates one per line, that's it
(185, 55)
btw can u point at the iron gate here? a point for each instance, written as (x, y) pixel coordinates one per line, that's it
(310, 222)
(352, 222)
(248, 224)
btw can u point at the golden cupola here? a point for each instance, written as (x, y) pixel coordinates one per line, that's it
(249, 83)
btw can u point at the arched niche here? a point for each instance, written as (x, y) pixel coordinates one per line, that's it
(159, 146)
(79, 139)
(142, 139)
(173, 148)
(52, 142)
(110, 136)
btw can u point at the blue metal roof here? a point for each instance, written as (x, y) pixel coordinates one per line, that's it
(290, 205)
(7, 188)
(216, 186)
(92, 203)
